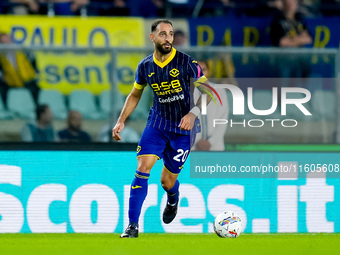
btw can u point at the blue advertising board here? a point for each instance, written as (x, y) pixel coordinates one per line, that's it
(256, 31)
(88, 191)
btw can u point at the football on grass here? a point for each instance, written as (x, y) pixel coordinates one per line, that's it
(228, 224)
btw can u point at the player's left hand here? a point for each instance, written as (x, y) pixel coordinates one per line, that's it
(187, 122)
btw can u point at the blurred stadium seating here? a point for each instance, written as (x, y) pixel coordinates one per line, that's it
(105, 102)
(84, 102)
(56, 101)
(4, 114)
(20, 102)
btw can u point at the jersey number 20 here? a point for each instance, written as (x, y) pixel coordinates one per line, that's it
(183, 154)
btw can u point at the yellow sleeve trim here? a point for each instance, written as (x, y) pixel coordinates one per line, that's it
(139, 86)
(200, 80)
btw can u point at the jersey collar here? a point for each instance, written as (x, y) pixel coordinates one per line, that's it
(162, 64)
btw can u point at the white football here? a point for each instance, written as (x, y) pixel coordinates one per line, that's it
(228, 224)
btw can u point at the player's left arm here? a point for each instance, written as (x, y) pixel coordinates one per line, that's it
(187, 122)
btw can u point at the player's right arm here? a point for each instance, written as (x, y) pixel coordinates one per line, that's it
(129, 106)
(131, 100)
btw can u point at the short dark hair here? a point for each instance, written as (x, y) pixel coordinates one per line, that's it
(40, 110)
(157, 22)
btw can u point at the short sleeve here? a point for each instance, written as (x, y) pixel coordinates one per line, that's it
(140, 81)
(195, 71)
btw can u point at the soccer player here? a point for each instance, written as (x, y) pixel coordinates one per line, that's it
(172, 123)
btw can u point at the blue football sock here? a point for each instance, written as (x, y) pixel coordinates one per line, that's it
(173, 193)
(138, 192)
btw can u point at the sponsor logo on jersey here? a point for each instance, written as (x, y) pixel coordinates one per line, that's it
(174, 72)
(170, 99)
(166, 88)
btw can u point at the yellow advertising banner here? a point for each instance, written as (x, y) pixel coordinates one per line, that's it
(69, 70)
(85, 71)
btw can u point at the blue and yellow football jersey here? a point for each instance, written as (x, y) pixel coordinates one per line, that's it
(170, 82)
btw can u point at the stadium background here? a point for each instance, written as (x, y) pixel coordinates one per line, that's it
(62, 188)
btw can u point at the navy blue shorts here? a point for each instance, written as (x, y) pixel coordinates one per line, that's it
(171, 147)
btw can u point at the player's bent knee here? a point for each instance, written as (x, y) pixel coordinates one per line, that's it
(167, 184)
(145, 164)
(144, 169)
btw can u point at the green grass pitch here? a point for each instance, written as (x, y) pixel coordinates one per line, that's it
(172, 244)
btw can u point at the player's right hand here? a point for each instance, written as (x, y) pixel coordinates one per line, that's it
(116, 130)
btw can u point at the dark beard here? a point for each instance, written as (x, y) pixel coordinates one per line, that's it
(162, 50)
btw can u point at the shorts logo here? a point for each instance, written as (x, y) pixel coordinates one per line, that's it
(136, 187)
(151, 74)
(138, 148)
(194, 61)
(174, 72)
